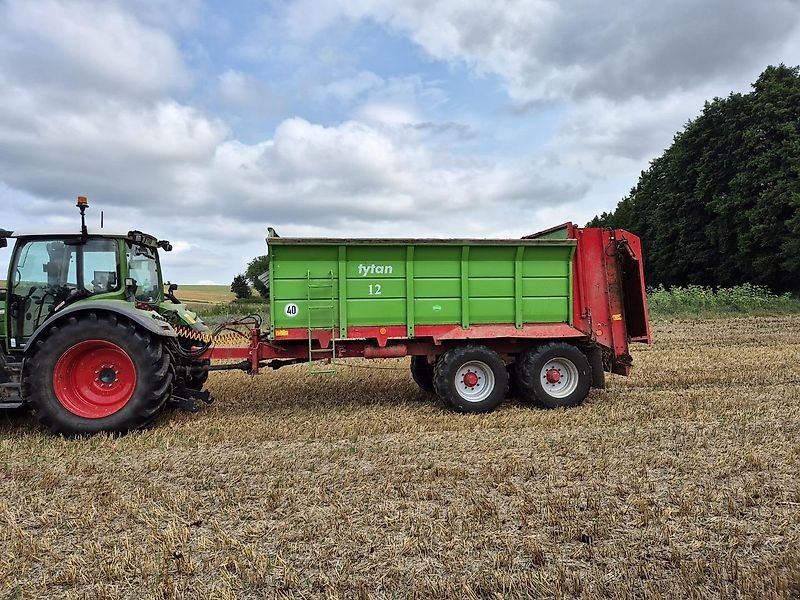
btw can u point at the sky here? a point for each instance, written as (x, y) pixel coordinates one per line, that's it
(205, 122)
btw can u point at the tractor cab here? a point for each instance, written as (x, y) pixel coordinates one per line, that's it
(48, 272)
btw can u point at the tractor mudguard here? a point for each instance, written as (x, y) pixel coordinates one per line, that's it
(149, 320)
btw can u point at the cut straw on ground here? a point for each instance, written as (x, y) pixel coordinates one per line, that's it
(681, 481)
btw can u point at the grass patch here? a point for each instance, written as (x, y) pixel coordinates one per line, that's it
(705, 302)
(217, 313)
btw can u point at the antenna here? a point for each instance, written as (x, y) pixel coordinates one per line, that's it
(101, 219)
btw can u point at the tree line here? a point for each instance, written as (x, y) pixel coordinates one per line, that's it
(720, 207)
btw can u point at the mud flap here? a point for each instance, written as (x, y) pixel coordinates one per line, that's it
(595, 356)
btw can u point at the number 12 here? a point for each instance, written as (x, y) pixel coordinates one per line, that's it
(375, 289)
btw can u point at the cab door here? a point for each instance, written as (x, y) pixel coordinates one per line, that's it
(43, 274)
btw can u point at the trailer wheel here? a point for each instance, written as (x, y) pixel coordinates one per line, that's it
(554, 375)
(471, 379)
(96, 373)
(422, 373)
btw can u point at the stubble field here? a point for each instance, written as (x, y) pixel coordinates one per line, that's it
(681, 481)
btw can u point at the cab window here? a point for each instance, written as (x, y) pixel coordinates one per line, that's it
(44, 265)
(100, 274)
(44, 276)
(143, 269)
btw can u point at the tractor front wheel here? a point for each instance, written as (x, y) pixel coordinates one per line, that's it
(95, 373)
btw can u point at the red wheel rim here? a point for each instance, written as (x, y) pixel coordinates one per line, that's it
(94, 379)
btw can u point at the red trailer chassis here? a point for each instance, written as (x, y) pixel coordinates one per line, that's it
(609, 312)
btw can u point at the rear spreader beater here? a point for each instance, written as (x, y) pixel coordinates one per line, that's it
(90, 340)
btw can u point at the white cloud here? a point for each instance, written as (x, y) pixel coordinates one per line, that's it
(349, 89)
(340, 177)
(549, 49)
(131, 152)
(243, 91)
(86, 46)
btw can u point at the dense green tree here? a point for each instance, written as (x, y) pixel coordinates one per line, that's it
(240, 287)
(721, 206)
(258, 266)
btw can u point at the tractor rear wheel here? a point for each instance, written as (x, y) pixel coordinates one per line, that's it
(422, 373)
(554, 375)
(95, 373)
(471, 379)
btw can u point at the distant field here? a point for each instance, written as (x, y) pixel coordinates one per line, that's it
(682, 481)
(205, 294)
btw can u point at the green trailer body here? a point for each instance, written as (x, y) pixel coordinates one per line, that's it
(340, 284)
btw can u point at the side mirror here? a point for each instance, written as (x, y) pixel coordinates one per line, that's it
(171, 287)
(3, 242)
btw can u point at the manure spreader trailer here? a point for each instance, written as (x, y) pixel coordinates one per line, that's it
(90, 341)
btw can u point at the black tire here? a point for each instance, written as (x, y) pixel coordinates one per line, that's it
(512, 381)
(422, 373)
(136, 349)
(573, 372)
(457, 395)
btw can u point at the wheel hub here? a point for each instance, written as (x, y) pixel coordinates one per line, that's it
(553, 376)
(471, 379)
(107, 376)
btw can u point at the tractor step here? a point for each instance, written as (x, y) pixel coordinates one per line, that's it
(13, 399)
(187, 399)
(184, 404)
(202, 395)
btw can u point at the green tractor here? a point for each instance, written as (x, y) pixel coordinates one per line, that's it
(89, 340)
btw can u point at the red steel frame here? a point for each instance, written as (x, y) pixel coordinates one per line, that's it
(599, 317)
